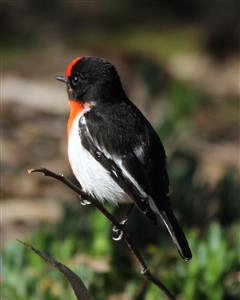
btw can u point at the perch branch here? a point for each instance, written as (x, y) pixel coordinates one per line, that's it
(135, 252)
(77, 284)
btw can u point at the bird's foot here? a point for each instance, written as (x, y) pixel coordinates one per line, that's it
(118, 233)
(84, 202)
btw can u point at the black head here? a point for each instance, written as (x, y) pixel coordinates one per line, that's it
(92, 79)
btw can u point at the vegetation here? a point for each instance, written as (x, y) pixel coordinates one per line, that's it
(106, 268)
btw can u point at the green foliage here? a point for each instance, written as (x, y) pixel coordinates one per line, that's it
(212, 273)
(215, 259)
(101, 242)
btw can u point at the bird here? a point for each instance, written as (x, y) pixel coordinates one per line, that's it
(114, 152)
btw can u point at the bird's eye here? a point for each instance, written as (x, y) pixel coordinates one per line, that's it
(75, 80)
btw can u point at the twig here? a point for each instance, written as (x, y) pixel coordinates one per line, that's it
(135, 252)
(78, 286)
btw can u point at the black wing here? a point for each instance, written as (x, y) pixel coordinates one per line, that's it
(127, 146)
(120, 139)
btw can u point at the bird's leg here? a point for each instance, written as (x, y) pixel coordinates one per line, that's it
(125, 219)
(119, 233)
(84, 202)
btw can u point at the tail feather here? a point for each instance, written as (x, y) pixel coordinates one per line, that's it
(173, 228)
(176, 233)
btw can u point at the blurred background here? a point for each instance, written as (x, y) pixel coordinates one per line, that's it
(179, 63)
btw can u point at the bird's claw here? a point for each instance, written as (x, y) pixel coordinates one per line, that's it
(115, 229)
(119, 234)
(124, 221)
(84, 202)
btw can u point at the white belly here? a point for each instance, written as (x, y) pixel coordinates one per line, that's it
(92, 176)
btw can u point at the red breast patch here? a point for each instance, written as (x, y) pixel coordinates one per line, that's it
(76, 107)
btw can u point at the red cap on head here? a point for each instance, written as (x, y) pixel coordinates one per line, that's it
(70, 66)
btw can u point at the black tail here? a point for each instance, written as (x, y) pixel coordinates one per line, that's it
(176, 233)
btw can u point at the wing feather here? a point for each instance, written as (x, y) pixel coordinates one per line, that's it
(118, 168)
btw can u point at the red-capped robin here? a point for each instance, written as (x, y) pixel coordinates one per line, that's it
(114, 152)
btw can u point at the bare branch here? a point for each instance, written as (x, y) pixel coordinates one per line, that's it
(135, 252)
(78, 286)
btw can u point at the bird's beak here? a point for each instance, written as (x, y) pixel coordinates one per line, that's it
(62, 78)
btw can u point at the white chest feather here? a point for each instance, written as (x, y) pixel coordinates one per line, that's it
(92, 176)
